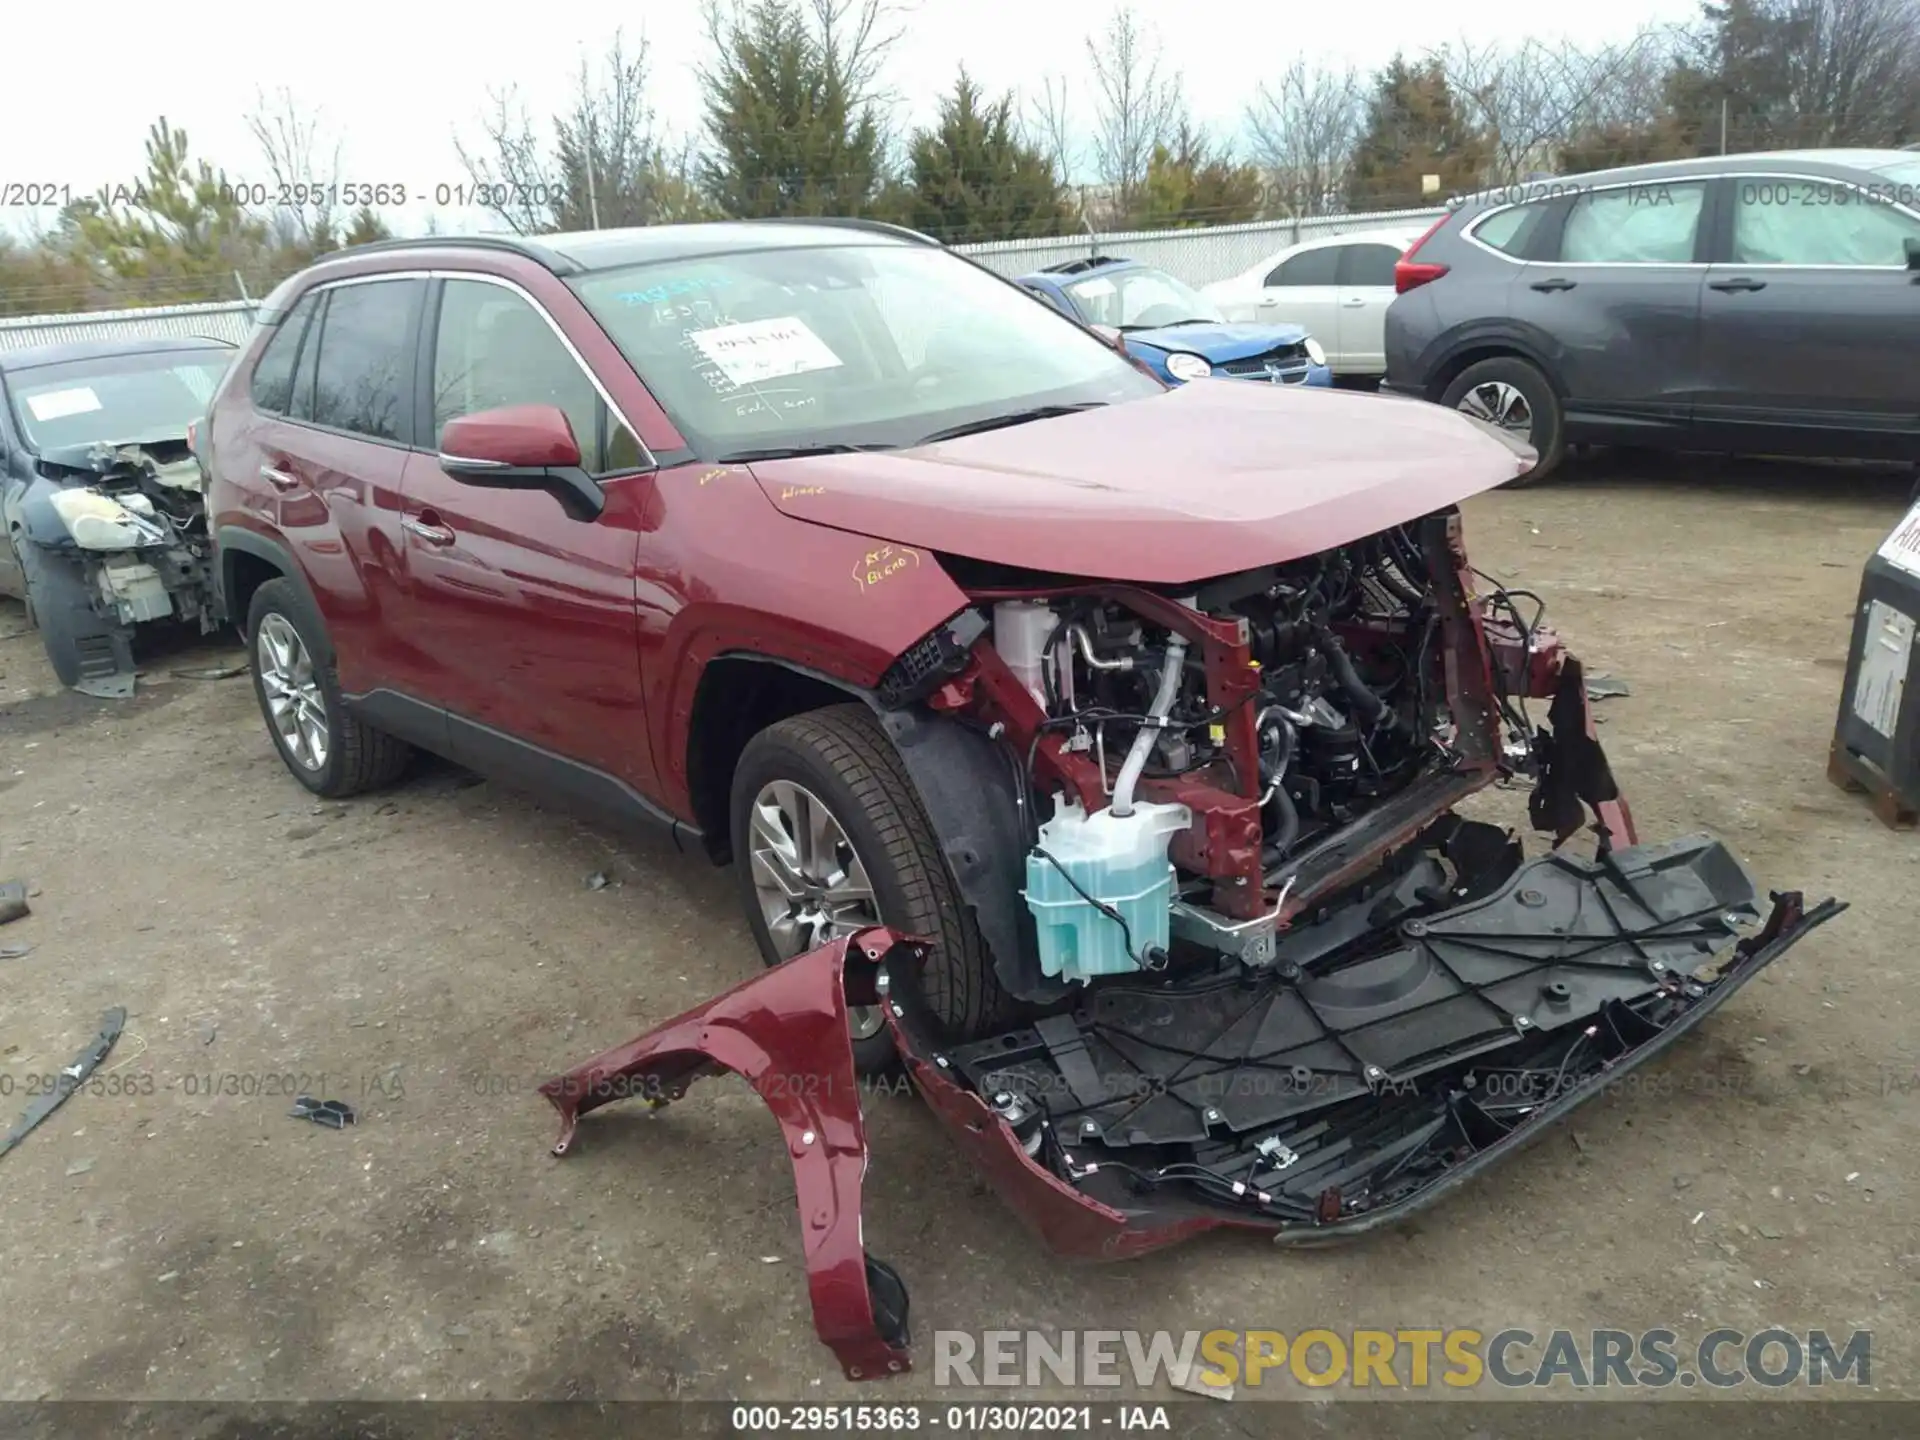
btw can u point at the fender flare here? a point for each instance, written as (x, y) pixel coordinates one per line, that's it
(237, 539)
(1500, 335)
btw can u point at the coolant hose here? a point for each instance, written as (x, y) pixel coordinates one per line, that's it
(1286, 818)
(1175, 666)
(1368, 703)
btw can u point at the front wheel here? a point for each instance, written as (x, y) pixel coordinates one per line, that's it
(829, 838)
(1514, 395)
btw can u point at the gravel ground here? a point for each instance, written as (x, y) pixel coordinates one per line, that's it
(429, 954)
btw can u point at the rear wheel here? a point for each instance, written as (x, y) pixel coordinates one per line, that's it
(328, 749)
(1514, 395)
(829, 837)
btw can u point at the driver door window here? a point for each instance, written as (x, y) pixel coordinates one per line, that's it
(492, 348)
(1774, 224)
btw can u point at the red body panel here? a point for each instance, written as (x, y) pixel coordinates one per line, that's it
(785, 1032)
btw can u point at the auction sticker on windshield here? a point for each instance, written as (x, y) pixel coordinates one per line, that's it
(1902, 547)
(58, 404)
(764, 349)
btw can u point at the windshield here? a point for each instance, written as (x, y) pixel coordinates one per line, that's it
(856, 345)
(1140, 300)
(119, 399)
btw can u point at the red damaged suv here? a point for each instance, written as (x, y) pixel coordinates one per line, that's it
(1148, 710)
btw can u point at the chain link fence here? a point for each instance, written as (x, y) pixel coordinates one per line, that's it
(1198, 256)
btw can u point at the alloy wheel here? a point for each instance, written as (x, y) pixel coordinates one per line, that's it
(296, 706)
(812, 885)
(1500, 403)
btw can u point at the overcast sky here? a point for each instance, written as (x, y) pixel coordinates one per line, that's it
(397, 81)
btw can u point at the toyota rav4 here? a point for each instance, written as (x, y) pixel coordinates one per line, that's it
(1142, 713)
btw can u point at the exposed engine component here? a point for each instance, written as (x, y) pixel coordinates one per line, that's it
(121, 540)
(1347, 706)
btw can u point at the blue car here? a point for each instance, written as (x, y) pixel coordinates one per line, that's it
(1173, 329)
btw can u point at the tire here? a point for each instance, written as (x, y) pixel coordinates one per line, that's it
(1547, 431)
(841, 757)
(354, 757)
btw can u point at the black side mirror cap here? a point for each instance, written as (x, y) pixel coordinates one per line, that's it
(1913, 253)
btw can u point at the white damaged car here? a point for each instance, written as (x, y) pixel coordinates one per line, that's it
(103, 522)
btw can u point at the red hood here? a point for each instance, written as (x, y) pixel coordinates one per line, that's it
(1213, 477)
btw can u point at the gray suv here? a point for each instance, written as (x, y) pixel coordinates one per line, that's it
(1753, 304)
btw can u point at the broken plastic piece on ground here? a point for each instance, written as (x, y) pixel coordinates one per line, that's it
(15, 952)
(1353, 1158)
(334, 1114)
(209, 672)
(1602, 687)
(13, 900)
(117, 686)
(785, 1032)
(70, 1078)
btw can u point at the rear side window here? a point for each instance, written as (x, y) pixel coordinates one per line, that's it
(1309, 267)
(1775, 222)
(272, 385)
(363, 372)
(1511, 231)
(1651, 224)
(1368, 264)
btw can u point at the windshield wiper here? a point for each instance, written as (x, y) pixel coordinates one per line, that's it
(1012, 417)
(796, 452)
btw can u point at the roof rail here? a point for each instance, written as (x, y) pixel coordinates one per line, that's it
(850, 222)
(513, 245)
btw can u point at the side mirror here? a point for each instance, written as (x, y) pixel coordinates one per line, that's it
(1913, 253)
(521, 447)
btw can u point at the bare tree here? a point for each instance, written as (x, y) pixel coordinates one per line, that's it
(303, 164)
(1529, 101)
(1853, 70)
(1138, 107)
(1304, 130)
(1051, 126)
(604, 163)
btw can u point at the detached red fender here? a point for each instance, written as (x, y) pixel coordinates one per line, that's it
(786, 1033)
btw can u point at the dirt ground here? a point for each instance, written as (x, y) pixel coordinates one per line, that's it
(430, 954)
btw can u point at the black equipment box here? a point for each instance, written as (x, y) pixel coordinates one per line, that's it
(1876, 739)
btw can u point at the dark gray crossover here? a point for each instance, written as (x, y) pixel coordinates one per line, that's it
(1755, 304)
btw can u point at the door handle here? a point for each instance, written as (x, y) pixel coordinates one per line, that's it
(279, 479)
(1743, 282)
(1555, 284)
(1355, 303)
(428, 528)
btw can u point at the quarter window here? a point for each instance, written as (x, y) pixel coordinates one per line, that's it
(272, 384)
(1309, 267)
(1649, 224)
(493, 348)
(1511, 231)
(1776, 223)
(363, 374)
